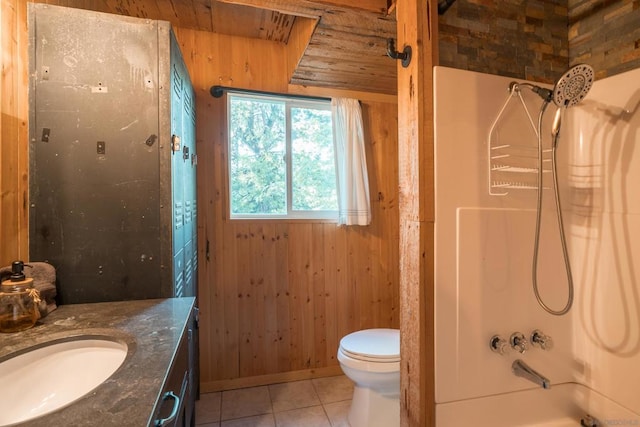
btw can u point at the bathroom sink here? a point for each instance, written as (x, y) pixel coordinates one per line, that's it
(47, 377)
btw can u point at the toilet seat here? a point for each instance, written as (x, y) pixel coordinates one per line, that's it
(371, 359)
(372, 345)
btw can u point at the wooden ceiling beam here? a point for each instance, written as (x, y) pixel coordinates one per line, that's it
(375, 6)
(319, 80)
(313, 8)
(303, 8)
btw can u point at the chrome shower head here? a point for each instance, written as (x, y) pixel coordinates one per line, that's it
(573, 85)
(569, 90)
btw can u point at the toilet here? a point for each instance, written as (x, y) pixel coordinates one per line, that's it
(371, 359)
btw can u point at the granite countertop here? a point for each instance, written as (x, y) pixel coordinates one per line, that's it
(152, 329)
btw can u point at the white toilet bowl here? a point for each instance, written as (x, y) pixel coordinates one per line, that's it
(371, 359)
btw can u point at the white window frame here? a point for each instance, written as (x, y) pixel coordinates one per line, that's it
(290, 102)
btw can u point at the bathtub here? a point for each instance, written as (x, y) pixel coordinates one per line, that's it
(564, 405)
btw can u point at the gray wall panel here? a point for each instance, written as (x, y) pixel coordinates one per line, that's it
(99, 136)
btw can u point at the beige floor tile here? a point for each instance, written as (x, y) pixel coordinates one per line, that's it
(338, 412)
(257, 421)
(208, 408)
(209, 425)
(333, 389)
(305, 417)
(293, 395)
(245, 402)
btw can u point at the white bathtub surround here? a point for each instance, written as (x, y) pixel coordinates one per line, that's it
(484, 244)
(562, 406)
(604, 167)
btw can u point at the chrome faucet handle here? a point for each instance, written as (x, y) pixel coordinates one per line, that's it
(498, 344)
(541, 340)
(518, 342)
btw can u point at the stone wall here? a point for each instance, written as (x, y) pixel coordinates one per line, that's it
(538, 40)
(525, 39)
(605, 34)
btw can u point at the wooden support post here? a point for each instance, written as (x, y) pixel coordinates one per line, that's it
(417, 26)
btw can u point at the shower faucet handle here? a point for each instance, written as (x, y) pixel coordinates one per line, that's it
(498, 344)
(541, 340)
(518, 342)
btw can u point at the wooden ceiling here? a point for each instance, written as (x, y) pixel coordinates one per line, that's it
(347, 43)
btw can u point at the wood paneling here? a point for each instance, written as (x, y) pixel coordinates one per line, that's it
(301, 33)
(14, 111)
(314, 8)
(277, 296)
(348, 48)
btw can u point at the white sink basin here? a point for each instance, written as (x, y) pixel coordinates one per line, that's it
(49, 377)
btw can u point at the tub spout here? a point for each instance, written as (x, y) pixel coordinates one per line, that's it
(523, 370)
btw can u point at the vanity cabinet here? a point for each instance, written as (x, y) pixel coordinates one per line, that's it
(176, 403)
(171, 408)
(156, 333)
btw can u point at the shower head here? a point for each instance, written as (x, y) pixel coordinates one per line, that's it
(573, 85)
(570, 88)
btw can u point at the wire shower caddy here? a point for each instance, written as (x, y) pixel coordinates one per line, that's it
(513, 166)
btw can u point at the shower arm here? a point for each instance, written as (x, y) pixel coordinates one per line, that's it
(545, 94)
(547, 97)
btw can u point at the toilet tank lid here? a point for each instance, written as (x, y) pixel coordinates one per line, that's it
(379, 343)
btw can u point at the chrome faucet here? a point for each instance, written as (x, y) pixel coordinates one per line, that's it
(523, 370)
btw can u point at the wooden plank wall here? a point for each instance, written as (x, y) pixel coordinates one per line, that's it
(14, 111)
(277, 296)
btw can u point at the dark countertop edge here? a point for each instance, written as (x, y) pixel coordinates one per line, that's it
(151, 328)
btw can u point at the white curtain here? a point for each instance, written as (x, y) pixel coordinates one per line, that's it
(354, 207)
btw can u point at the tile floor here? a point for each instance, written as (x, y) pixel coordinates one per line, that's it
(320, 402)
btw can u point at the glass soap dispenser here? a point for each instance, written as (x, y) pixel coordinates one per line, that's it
(18, 301)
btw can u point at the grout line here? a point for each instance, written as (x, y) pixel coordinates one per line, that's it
(273, 413)
(326, 415)
(271, 401)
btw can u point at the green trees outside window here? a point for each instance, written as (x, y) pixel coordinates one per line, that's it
(281, 158)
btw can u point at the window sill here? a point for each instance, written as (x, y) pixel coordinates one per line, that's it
(284, 220)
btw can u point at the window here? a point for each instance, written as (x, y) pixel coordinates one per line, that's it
(281, 159)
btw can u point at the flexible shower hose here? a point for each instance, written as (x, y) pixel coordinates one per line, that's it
(563, 240)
